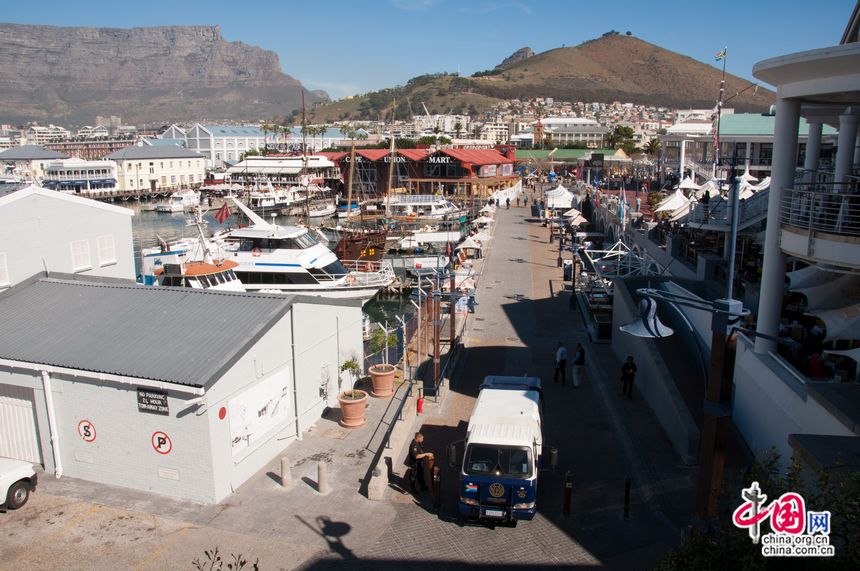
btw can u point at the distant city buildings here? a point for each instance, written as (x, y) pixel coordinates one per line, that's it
(157, 168)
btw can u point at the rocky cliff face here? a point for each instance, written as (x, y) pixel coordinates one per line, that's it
(145, 75)
(517, 56)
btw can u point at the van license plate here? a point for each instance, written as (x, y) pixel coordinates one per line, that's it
(494, 513)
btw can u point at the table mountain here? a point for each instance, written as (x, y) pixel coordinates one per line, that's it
(68, 75)
(517, 56)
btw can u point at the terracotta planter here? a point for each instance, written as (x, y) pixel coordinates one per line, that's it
(382, 377)
(352, 409)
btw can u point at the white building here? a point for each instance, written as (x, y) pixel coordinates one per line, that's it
(496, 132)
(27, 161)
(73, 236)
(573, 130)
(220, 144)
(180, 392)
(91, 132)
(157, 168)
(38, 135)
(77, 175)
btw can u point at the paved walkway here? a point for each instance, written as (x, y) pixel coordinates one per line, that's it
(523, 311)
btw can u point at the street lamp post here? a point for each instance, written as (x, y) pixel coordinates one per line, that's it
(725, 314)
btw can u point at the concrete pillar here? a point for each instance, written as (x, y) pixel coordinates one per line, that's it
(857, 150)
(782, 176)
(813, 146)
(845, 145)
(681, 160)
(747, 159)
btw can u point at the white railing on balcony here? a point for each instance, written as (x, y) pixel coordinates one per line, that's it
(830, 209)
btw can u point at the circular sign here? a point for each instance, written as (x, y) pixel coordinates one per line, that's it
(161, 442)
(497, 490)
(222, 413)
(87, 430)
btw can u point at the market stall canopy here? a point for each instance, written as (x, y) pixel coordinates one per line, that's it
(572, 213)
(688, 184)
(559, 197)
(482, 237)
(578, 220)
(810, 276)
(468, 243)
(482, 220)
(748, 177)
(831, 295)
(673, 202)
(712, 187)
(488, 208)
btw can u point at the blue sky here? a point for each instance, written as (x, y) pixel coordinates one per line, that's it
(348, 47)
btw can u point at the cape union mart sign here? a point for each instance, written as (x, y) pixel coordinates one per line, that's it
(152, 401)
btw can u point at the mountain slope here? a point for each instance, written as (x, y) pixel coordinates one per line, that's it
(610, 68)
(69, 75)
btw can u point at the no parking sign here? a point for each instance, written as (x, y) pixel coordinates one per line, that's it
(161, 442)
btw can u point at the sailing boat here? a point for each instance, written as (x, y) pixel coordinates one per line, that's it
(360, 242)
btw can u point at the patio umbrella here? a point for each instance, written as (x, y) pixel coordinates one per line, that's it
(687, 183)
(578, 220)
(482, 220)
(469, 243)
(572, 213)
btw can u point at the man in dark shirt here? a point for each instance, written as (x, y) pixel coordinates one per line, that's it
(416, 462)
(628, 373)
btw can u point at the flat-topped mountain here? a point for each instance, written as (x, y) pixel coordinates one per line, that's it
(68, 75)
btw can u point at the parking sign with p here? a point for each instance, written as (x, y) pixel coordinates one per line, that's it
(161, 442)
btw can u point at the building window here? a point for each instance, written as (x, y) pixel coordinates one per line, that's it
(81, 255)
(107, 251)
(173, 179)
(5, 280)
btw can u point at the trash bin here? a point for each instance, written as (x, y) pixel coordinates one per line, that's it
(567, 270)
(535, 210)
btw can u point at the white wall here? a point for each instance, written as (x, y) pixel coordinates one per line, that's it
(770, 403)
(37, 231)
(169, 174)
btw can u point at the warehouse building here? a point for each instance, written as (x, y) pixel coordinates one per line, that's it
(181, 392)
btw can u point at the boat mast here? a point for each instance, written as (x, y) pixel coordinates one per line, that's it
(349, 189)
(390, 166)
(305, 163)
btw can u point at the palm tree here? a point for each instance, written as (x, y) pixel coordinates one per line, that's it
(652, 147)
(265, 129)
(457, 128)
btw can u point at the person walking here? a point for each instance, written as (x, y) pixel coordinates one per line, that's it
(561, 363)
(417, 455)
(578, 365)
(628, 373)
(526, 201)
(518, 201)
(508, 202)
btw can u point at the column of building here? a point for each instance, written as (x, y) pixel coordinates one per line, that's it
(846, 144)
(782, 176)
(813, 148)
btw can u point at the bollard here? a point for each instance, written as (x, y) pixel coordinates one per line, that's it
(627, 499)
(286, 475)
(436, 487)
(568, 491)
(322, 479)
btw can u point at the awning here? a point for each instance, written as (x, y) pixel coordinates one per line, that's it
(842, 323)
(469, 243)
(482, 220)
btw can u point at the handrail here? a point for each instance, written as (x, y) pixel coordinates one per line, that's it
(832, 212)
(398, 415)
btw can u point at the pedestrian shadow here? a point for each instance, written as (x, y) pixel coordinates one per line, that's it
(333, 532)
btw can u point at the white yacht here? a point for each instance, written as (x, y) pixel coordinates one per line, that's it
(289, 259)
(424, 206)
(188, 263)
(180, 201)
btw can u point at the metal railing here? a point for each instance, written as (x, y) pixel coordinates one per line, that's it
(825, 208)
(717, 211)
(368, 273)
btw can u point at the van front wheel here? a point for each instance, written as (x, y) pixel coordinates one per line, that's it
(18, 495)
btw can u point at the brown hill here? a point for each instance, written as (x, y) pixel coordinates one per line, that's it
(145, 75)
(622, 68)
(610, 68)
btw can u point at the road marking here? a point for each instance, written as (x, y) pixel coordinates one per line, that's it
(161, 549)
(70, 524)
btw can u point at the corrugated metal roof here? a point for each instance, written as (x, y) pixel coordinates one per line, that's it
(30, 153)
(756, 124)
(154, 152)
(234, 130)
(176, 335)
(478, 156)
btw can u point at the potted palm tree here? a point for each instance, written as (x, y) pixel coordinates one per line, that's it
(352, 401)
(382, 375)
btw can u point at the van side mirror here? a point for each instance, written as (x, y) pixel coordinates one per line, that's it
(550, 458)
(453, 453)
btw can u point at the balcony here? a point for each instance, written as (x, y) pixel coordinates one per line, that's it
(821, 223)
(717, 216)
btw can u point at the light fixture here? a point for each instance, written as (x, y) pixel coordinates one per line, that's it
(647, 325)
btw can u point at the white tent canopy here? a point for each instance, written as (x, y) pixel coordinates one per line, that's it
(673, 202)
(688, 184)
(810, 276)
(747, 177)
(488, 208)
(712, 187)
(482, 237)
(559, 197)
(482, 220)
(830, 295)
(578, 220)
(469, 242)
(572, 213)
(842, 323)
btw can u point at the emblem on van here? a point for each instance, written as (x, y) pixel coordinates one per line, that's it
(497, 490)
(521, 494)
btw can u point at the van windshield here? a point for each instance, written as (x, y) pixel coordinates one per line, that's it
(482, 459)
